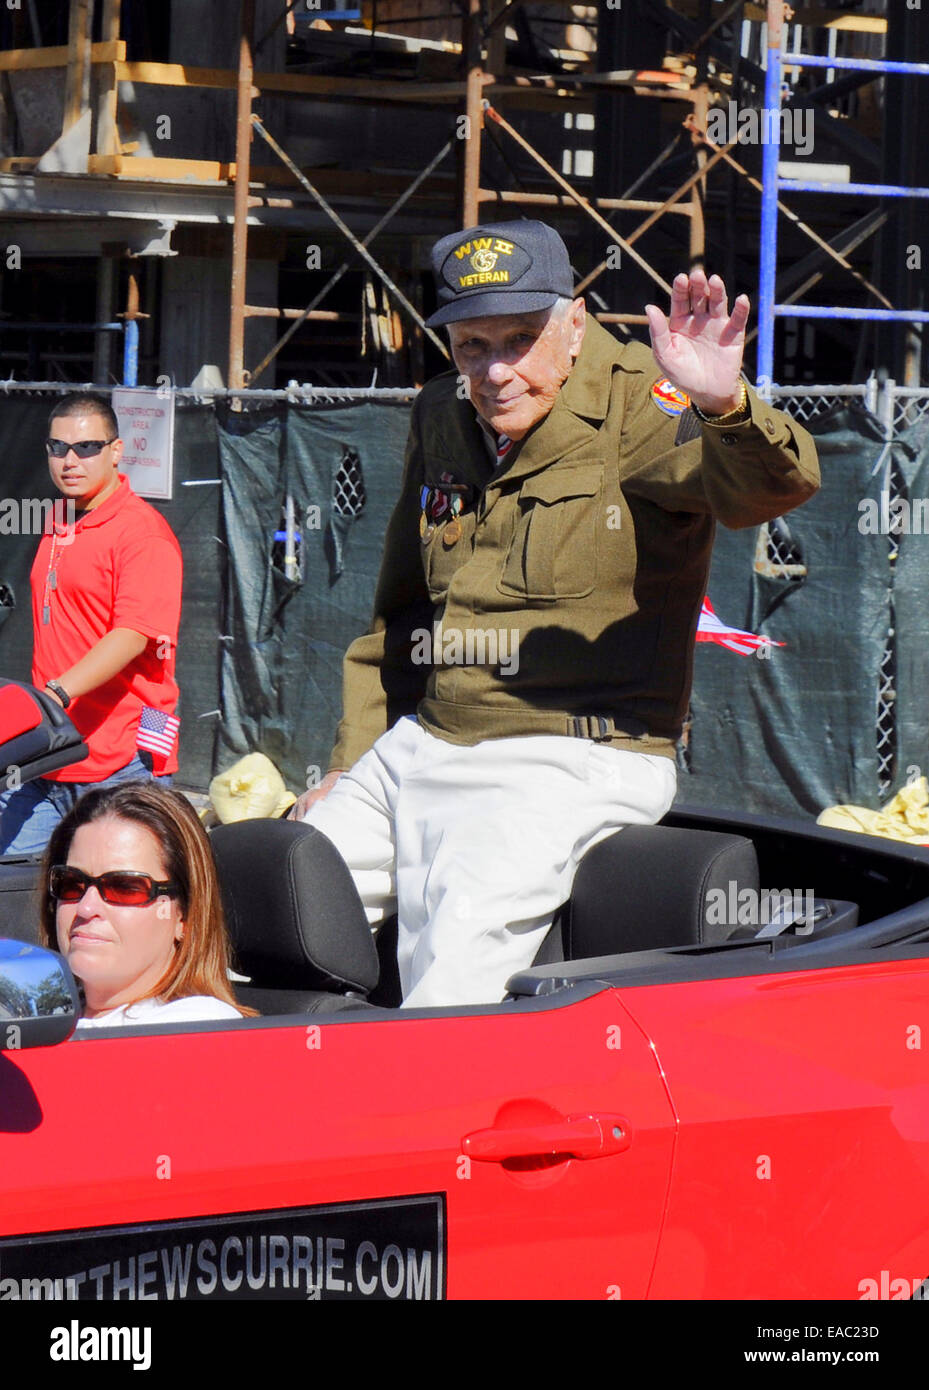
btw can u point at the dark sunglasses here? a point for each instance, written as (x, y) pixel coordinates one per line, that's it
(119, 888)
(84, 448)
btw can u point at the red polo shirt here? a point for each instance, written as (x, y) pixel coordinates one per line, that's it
(119, 566)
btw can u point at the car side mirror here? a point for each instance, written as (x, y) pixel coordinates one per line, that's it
(39, 1002)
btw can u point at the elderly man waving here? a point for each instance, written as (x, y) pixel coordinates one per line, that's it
(521, 688)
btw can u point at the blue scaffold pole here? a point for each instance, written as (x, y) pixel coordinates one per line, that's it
(768, 309)
(810, 60)
(838, 311)
(768, 262)
(131, 353)
(857, 190)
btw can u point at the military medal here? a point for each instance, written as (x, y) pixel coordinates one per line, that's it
(452, 530)
(425, 526)
(446, 500)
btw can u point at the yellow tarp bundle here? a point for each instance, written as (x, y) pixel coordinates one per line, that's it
(252, 788)
(905, 817)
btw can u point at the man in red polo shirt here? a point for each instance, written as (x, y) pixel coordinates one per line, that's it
(106, 602)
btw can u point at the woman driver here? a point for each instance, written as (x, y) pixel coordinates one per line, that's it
(133, 904)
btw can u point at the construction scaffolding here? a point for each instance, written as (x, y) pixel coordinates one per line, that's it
(769, 309)
(505, 93)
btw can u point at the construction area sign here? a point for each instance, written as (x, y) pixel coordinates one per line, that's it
(146, 427)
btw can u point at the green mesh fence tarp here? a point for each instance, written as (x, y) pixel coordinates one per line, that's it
(911, 607)
(285, 636)
(795, 732)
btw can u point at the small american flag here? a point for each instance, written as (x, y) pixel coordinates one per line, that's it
(157, 732)
(710, 629)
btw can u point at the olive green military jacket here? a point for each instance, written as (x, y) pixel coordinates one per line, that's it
(569, 601)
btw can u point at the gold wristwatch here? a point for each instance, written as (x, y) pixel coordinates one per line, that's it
(732, 417)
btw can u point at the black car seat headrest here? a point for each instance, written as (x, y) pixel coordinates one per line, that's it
(649, 886)
(294, 914)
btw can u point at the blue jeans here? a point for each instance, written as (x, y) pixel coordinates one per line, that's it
(29, 814)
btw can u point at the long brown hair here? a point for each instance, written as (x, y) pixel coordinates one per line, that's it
(202, 958)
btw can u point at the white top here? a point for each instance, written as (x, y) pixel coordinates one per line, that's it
(194, 1008)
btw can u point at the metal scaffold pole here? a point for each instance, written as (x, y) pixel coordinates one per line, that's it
(243, 135)
(770, 155)
(474, 88)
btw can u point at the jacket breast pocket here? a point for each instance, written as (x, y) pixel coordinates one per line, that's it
(441, 558)
(554, 549)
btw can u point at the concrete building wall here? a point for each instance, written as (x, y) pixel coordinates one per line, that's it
(206, 34)
(195, 315)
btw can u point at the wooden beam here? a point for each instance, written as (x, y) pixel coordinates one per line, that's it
(77, 84)
(107, 141)
(825, 19)
(500, 195)
(126, 166)
(288, 83)
(810, 18)
(526, 93)
(173, 170)
(176, 75)
(107, 138)
(24, 59)
(262, 311)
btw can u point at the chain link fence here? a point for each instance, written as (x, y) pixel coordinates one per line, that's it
(899, 409)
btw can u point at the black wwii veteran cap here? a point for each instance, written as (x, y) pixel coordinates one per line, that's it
(500, 268)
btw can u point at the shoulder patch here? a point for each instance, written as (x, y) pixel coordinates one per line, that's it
(668, 398)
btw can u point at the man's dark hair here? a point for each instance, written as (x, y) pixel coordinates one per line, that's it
(87, 403)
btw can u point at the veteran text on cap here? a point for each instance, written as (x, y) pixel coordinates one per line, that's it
(501, 268)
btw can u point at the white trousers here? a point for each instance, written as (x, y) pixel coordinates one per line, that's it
(475, 847)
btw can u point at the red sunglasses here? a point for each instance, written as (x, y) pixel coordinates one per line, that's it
(119, 888)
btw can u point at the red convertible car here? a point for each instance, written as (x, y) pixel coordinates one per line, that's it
(712, 1084)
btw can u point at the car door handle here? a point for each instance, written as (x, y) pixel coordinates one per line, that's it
(576, 1136)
